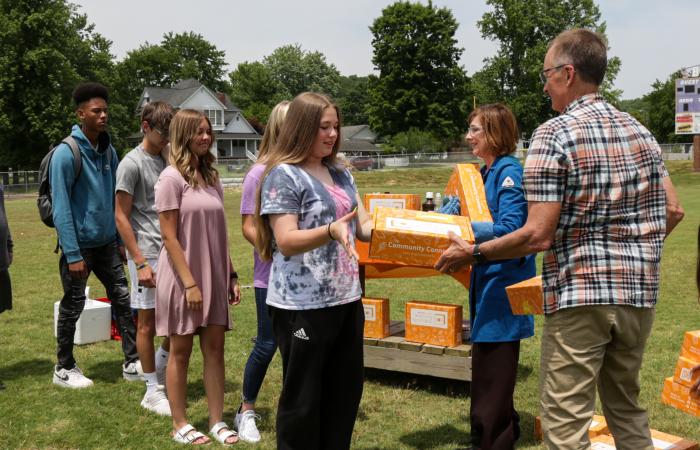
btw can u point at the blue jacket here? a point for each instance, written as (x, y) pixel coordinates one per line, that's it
(83, 209)
(491, 317)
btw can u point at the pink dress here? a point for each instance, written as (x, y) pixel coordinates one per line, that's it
(201, 231)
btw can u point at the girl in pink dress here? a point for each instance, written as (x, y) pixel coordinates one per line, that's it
(196, 280)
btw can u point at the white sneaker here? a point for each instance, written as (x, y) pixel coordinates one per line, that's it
(156, 401)
(245, 424)
(160, 373)
(72, 378)
(132, 371)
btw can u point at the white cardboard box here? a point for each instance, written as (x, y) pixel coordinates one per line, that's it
(94, 324)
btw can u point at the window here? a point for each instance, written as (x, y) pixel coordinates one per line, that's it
(216, 116)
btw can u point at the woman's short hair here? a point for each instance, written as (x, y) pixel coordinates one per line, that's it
(586, 50)
(183, 128)
(499, 126)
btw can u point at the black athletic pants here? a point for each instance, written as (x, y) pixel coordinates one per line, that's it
(323, 374)
(107, 265)
(495, 425)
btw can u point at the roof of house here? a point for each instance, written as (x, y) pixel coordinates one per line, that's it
(351, 130)
(357, 145)
(178, 93)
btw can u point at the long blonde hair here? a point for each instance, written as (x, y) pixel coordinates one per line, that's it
(294, 146)
(183, 128)
(272, 129)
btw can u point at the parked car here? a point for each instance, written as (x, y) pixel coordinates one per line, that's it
(362, 162)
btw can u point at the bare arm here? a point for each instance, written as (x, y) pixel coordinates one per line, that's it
(674, 210)
(364, 222)
(535, 236)
(168, 230)
(248, 228)
(293, 241)
(122, 212)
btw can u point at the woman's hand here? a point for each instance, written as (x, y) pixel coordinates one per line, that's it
(339, 231)
(193, 296)
(234, 290)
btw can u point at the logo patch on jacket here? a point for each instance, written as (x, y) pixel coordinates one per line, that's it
(508, 183)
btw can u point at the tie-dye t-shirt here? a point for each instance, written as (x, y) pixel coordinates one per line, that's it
(322, 277)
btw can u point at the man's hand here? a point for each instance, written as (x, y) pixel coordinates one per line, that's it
(457, 256)
(78, 270)
(695, 389)
(146, 277)
(234, 297)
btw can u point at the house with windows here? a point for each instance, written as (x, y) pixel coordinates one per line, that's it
(234, 137)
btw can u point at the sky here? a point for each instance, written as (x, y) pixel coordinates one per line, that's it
(652, 38)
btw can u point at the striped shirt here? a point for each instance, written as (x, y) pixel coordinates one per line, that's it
(606, 170)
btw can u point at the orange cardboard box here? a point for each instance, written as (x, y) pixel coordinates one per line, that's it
(678, 396)
(598, 426)
(376, 317)
(400, 201)
(414, 237)
(526, 297)
(691, 345)
(662, 441)
(434, 323)
(683, 374)
(466, 182)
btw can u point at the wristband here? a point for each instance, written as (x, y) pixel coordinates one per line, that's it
(143, 265)
(329, 232)
(190, 287)
(234, 274)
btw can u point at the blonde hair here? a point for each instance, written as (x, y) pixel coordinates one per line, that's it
(272, 129)
(294, 145)
(183, 128)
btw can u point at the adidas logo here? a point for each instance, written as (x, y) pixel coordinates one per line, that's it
(301, 334)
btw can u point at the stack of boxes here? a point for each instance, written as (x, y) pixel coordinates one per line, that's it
(676, 390)
(376, 317)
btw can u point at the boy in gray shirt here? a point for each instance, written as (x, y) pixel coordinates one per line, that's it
(137, 222)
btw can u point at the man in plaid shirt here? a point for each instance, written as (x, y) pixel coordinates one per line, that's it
(600, 203)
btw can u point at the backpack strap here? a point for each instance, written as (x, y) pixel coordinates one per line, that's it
(77, 157)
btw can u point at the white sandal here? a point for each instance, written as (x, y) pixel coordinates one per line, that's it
(188, 435)
(222, 436)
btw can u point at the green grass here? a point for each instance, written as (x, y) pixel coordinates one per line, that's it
(397, 410)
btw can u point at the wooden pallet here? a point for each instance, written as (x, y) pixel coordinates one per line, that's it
(396, 353)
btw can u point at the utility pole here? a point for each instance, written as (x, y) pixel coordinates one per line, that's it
(696, 153)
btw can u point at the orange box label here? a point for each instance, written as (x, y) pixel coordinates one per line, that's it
(376, 317)
(400, 201)
(598, 426)
(678, 396)
(526, 297)
(691, 345)
(684, 373)
(434, 323)
(467, 183)
(661, 441)
(414, 237)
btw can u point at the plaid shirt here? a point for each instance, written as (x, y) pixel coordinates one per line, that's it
(606, 170)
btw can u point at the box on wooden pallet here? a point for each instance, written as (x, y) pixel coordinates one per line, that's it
(414, 237)
(678, 396)
(400, 201)
(598, 426)
(434, 323)
(691, 345)
(684, 371)
(376, 317)
(526, 297)
(467, 183)
(661, 441)
(93, 324)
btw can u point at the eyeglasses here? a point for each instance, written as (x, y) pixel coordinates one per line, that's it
(474, 129)
(163, 134)
(543, 73)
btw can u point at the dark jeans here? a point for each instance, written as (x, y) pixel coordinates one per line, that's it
(322, 375)
(495, 425)
(5, 290)
(263, 351)
(107, 265)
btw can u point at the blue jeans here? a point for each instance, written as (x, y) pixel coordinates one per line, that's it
(263, 351)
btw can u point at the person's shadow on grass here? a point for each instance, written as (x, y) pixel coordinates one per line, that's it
(29, 367)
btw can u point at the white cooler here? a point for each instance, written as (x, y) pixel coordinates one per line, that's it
(94, 324)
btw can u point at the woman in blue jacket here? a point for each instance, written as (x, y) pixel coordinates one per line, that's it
(496, 332)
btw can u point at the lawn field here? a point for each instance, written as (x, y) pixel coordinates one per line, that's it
(398, 411)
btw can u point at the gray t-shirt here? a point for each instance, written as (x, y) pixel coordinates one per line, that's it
(322, 277)
(137, 174)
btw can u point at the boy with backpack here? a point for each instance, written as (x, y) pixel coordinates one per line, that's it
(139, 228)
(82, 212)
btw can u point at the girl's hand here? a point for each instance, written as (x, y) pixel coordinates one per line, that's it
(193, 296)
(234, 288)
(339, 231)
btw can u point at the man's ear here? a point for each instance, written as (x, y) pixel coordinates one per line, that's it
(80, 113)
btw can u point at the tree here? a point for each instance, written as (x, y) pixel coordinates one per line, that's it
(353, 98)
(659, 110)
(46, 48)
(254, 89)
(420, 83)
(524, 30)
